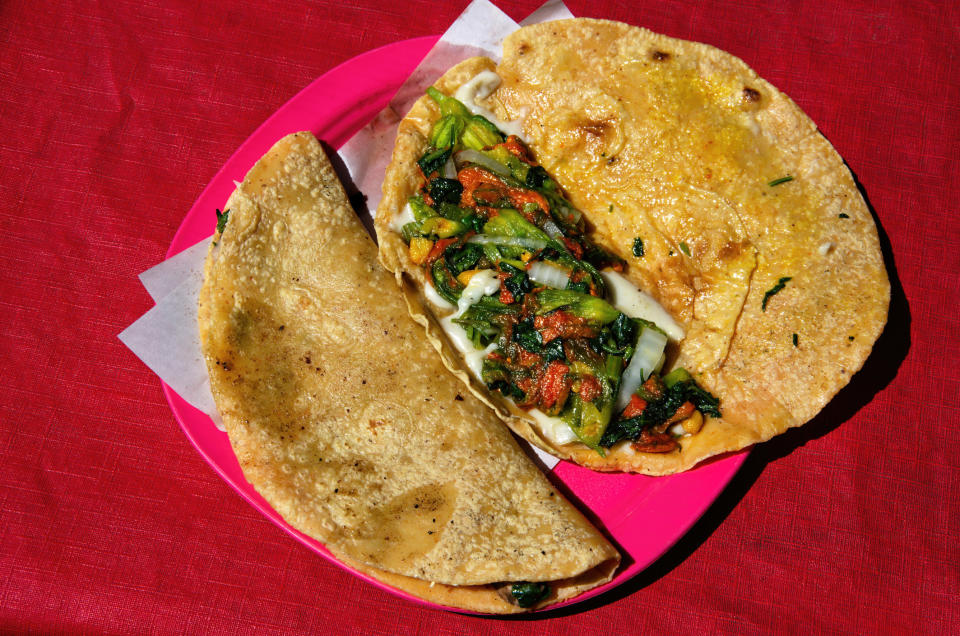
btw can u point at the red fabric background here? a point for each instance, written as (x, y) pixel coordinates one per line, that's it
(113, 117)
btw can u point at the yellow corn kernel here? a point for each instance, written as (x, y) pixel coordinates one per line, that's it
(526, 256)
(419, 249)
(693, 424)
(466, 275)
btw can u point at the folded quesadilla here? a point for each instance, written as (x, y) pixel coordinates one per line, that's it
(347, 423)
(634, 248)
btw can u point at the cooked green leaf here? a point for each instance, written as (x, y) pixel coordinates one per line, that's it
(222, 220)
(529, 594)
(775, 290)
(777, 182)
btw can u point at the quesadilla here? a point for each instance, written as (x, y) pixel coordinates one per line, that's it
(346, 422)
(594, 145)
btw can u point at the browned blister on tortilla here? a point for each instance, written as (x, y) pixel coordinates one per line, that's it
(677, 143)
(348, 424)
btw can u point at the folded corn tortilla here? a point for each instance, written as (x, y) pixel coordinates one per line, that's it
(347, 423)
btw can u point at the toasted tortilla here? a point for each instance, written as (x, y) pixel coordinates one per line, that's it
(677, 143)
(345, 421)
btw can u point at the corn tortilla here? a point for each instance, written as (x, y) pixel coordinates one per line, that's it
(681, 144)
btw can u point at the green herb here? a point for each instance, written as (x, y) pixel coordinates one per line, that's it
(496, 376)
(536, 176)
(484, 319)
(410, 230)
(777, 182)
(592, 424)
(590, 308)
(684, 248)
(580, 286)
(774, 290)
(796, 340)
(624, 331)
(703, 400)
(455, 213)
(445, 190)
(638, 247)
(445, 282)
(510, 223)
(529, 594)
(517, 283)
(433, 160)
(465, 258)
(421, 211)
(441, 227)
(222, 220)
(677, 375)
(448, 105)
(447, 131)
(480, 133)
(475, 222)
(527, 337)
(844, 215)
(850, 338)
(611, 209)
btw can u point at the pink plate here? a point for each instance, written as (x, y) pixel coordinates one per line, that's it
(644, 516)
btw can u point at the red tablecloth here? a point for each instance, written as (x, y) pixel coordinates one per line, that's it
(114, 115)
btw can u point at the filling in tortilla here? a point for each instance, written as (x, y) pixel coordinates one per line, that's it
(535, 317)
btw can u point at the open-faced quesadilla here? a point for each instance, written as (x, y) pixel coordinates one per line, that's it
(526, 204)
(348, 424)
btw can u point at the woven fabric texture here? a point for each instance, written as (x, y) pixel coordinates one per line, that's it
(115, 115)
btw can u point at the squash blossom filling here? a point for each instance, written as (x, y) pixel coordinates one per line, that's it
(500, 241)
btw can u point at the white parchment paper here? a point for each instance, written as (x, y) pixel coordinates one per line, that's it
(166, 338)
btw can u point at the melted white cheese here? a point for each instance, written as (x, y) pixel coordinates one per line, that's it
(636, 304)
(553, 428)
(435, 298)
(405, 216)
(471, 356)
(483, 283)
(480, 87)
